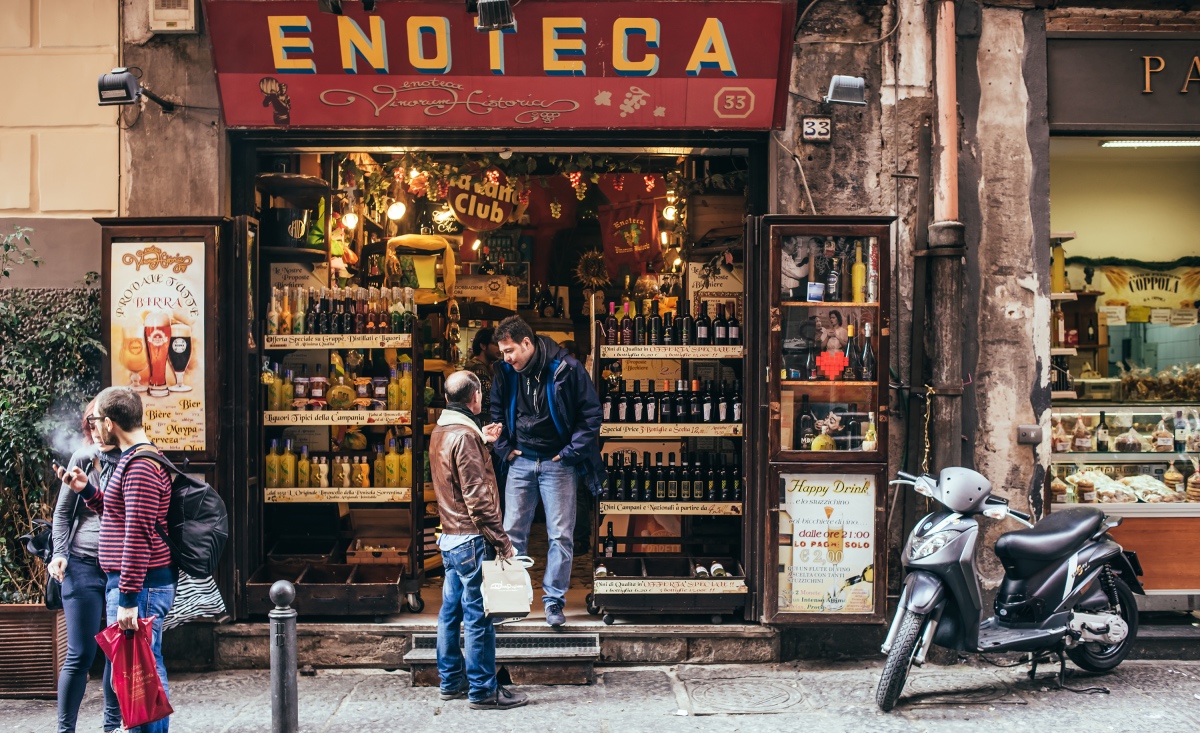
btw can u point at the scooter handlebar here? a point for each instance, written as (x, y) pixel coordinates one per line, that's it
(904, 475)
(1021, 515)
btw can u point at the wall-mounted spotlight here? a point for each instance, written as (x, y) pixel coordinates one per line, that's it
(493, 15)
(123, 86)
(847, 90)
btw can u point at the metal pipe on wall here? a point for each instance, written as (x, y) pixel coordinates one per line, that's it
(946, 247)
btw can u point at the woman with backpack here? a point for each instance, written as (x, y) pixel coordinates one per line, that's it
(76, 564)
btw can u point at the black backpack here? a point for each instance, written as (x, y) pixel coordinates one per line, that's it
(197, 523)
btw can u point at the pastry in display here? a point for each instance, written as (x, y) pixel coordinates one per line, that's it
(1151, 490)
(1085, 491)
(1107, 490)
(1081, 437)
(1163, 439)
(1173, 478)
(1193, 482)
(1129, 442)
(1059, 490)
(1061, 441)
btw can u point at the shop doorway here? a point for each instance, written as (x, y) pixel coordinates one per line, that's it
(555, 229)
(1125, 345)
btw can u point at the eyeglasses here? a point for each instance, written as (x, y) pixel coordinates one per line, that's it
(91, 419)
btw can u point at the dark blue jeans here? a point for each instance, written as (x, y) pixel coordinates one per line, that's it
(462, 606)
(154, 602)
(83, 605)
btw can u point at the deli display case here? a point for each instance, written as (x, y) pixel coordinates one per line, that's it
(825, 294)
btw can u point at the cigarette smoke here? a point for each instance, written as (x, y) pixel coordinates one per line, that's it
(60, 428)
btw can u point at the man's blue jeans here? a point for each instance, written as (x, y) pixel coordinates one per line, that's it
(154, 602)
(462, 606)
(529, 479)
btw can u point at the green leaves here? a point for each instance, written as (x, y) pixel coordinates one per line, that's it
(16, 249)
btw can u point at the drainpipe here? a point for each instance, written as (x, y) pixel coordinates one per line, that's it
(947, 248)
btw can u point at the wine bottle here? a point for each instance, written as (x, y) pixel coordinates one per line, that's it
(669, 330)
(647, 478)
(710, 479)
(720, 327)
(635, 478)
(683, 404)
(627, 329)
(696, 403)
(722, 478)
(858, 275)
(708, 410)
(650, 411)
(606, 488)
(852, 370)
(1181, 432)
(624, 413)
(733, 327)
(660, 478)
(808, 424)
(703, 326)
(611, 333)
(1102, 434)
(735, 477)
(610, 542)
(639, 326)
(735, 402)
(637, 404)
(687, 326)
(666, 404)
(833, 281)
(622, 478)
(722, 399)
(608, 406)
(685, 478)
(853, 428)
(868, 360)
(654, 325)
(672, 480)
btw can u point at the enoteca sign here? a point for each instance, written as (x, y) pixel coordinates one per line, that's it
(568, 65)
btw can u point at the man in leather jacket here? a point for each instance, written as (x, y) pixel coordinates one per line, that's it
(468, 502)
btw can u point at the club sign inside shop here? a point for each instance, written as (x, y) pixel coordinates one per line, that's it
(599, 65)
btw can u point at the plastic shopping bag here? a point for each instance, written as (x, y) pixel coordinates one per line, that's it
(507, 589)
(134, 673)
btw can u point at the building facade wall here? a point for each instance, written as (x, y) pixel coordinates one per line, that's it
(59, 150)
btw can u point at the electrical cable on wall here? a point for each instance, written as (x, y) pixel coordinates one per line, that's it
(881, 38)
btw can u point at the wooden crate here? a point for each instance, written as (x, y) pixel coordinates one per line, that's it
(33, 646)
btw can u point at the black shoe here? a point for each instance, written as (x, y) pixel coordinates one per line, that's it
(554, 615)
(454, 695)
(502, 699)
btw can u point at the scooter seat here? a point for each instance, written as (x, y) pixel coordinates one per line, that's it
(1026, 551)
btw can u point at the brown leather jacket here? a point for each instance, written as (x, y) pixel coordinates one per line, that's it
(467, 495)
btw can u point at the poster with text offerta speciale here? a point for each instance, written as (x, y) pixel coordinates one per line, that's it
(156, 343)
(827, 543)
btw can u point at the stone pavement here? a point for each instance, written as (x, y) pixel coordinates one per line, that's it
(1154, 696)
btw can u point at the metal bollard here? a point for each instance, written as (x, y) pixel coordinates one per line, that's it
(284, 712)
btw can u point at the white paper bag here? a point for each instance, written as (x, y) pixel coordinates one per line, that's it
(507, 589)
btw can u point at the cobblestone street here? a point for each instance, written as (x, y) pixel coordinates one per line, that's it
(1158, 696)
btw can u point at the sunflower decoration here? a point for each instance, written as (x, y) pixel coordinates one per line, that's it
(591, 271)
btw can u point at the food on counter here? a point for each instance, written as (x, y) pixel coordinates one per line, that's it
(1085, 491)
(1151, 490)
(1173, 478)
(1107, 490)
(1060, 439)
(1193, 482)
(1162, 440)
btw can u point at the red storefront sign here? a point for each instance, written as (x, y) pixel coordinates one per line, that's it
(569, 65)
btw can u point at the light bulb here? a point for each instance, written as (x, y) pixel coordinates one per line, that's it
(672, 197)
(476, 245)
(669, 213)
(413, 172)
(350, 220)
(396, 210)
(664, 237)
(678, 261)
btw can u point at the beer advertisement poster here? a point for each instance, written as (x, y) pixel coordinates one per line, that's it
(157, 336)
(827, 543)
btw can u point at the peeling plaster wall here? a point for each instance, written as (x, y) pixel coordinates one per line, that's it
(1004, 194)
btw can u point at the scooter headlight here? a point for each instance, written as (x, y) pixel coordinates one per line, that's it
(926, 546)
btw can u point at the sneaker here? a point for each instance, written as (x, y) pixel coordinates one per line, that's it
(454, 694)
(554, 615)
(502, 699)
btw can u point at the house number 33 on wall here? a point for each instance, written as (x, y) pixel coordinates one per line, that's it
(816, 129)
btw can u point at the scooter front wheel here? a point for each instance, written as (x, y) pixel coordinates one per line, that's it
(899, 660)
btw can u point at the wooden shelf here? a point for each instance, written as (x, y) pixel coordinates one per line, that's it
(1063, 394)
(1067, 351)
(1064, 296)
(336, 341)
(717, 509)
(1132, 457)
(336, 417)
(825, 383)
(295, 254)
(672, 352)
(825, 304)
(671, 430)
(371, 494)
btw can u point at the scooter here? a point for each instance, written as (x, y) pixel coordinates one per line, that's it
(1068, 587)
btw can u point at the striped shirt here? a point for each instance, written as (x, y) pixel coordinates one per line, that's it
(132, 508)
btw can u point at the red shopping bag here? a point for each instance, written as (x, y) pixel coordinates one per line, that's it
(135, 674)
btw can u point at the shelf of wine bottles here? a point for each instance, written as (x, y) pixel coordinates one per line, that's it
(353, 494)
(337, 417)
(671, 430)
(699, 479)
(705, 508)
(671, 352)
(293, 342)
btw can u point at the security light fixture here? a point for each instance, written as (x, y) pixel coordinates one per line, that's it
(493, 15)
(847, 90)
(123, 86)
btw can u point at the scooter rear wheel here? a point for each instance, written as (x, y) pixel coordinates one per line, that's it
(1099, 658)
(899, 660)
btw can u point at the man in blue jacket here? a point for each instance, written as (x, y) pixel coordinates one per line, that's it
(551, 438)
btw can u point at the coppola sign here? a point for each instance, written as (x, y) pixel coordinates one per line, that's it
(156, 343)
(482, 204)
(567, 65)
